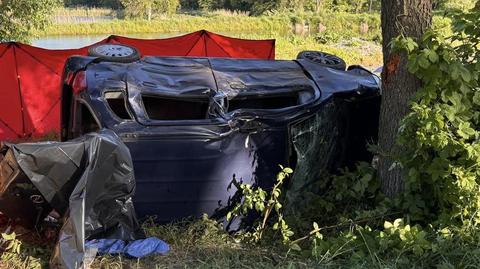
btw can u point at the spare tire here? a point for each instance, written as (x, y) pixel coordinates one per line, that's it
(115, 53)
(323, 59)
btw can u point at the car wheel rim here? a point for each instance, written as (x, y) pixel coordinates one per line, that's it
(322, 58)
(116, 51)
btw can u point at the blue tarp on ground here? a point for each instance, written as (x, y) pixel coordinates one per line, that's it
(134, 249)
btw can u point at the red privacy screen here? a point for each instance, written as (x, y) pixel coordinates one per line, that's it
(30, 77)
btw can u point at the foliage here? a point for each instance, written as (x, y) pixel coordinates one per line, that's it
(166, 6)
(351, 195)
(16, 255)
(358, 238)
(440, 137)
(145, 9)
(357, 6)
(209, 5)
(13, 245)
(20, 18)
(454, 4)
(115, 4)
(268, 205)
(256, 7)
(327, 38)
(259, 7)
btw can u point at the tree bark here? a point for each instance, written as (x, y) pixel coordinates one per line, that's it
(399, 17)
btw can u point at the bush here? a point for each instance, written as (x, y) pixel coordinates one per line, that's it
(440, 138)
(327, 38)
(142, 9)
(166, 6)
(435, 221)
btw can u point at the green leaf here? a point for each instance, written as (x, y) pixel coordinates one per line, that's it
(288, 170)
(476, 98)
(289, 233)
(466, 76)
(465, 131)
(295, 247)
(433, 56)
(423, 62)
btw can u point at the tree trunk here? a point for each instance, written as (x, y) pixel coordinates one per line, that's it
(410, 18)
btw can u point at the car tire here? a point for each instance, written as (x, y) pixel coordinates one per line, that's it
(323, 59)
(115, 53)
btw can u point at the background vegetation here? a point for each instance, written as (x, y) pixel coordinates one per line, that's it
(18, 19)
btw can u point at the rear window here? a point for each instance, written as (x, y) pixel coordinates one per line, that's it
(161, 108)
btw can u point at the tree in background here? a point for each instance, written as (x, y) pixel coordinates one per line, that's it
(138, 8)
(166, 6)
(209, 5)
(20, 18)
(146, 8)
(410, 18)
(113, 4)
(189, 4)
(454, 4)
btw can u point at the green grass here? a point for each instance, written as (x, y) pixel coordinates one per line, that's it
(194, 244)
(347, 25)
(349, 43)
(203, 244)
(172, 24)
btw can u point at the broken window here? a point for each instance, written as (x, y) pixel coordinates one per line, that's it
(85, 122)
(263, 102)
(118, 104)
(161, 108)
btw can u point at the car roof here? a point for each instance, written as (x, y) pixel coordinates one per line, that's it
(196, 76)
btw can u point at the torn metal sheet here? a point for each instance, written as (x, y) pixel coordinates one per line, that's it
(91, 181)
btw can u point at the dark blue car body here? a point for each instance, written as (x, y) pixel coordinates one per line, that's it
(195, 126)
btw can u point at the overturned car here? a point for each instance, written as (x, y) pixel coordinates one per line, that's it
(194, 126)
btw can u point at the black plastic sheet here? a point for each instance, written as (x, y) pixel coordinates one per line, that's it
(91, 181)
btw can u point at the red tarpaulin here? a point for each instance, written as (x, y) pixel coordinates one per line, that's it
(30, 77)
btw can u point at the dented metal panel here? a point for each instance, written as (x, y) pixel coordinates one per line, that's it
(237, 127)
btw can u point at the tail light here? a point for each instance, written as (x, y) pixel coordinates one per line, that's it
(79, 82)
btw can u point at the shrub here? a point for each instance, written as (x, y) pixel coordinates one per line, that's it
(147, 8)
(440, 137)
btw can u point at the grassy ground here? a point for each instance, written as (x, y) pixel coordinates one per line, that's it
(194, 244)
(203, 244)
